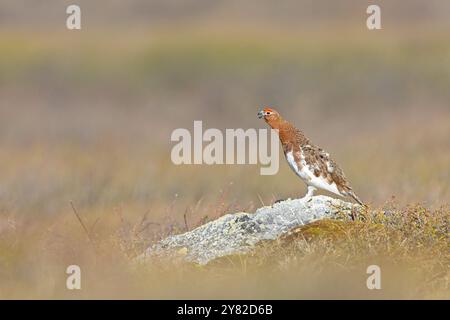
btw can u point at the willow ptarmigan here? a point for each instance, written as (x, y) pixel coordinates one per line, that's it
(311, 163)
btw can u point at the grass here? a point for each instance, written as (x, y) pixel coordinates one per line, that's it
(78, 126)
(326, 259)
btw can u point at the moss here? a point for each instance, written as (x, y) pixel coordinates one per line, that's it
(326, 228)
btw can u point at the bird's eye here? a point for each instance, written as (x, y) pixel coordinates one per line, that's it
(267, 113)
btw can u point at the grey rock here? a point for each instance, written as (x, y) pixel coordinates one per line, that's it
(238, 233)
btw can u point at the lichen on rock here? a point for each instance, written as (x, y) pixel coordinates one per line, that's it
(238, 233)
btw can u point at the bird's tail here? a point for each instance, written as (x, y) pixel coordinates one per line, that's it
(355, 197)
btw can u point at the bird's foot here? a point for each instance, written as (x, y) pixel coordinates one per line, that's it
(308, 196)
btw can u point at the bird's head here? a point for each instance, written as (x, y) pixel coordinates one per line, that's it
(270, 115)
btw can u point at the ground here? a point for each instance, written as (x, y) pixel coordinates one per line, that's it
(86, 119)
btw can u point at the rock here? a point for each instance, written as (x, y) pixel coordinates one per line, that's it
(238, 233)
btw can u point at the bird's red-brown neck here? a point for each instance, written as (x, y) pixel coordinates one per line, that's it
(287, 132)
(277, 122)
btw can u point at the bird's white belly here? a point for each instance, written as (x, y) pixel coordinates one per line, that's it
(308, 176)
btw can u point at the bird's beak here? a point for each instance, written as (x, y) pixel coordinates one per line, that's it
(260, 114)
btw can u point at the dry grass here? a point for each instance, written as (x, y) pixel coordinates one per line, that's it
(327, 259)
(82, 126)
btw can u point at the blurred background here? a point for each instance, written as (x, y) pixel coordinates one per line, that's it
(86, 116)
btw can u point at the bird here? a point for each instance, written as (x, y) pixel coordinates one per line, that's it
(309, 162)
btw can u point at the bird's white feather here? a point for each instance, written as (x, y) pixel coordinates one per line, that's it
(307, 175)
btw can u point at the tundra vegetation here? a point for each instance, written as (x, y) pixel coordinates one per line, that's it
(86, 177)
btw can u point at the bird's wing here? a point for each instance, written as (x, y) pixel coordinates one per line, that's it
(324, 166)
